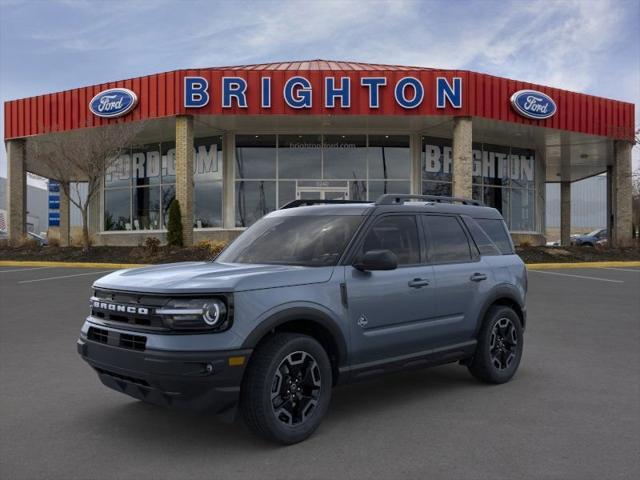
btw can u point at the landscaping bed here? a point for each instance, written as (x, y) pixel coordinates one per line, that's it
(153, 253)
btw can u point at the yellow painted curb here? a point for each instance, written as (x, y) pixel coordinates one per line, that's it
(530, 266)
(18, 263)
(550, 266)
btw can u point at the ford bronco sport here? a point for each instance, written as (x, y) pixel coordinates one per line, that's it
(315, 294)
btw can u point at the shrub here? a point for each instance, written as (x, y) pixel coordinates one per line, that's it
(213, 247)
(54, 242)
(174, 226)
(525, 244)
(152, 245)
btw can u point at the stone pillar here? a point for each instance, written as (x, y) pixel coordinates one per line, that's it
(184, 174)
(621, 183)
(462, 157)
(65, 216)
(16, 191)
(415, 147)
(228, 180)
(565, 213)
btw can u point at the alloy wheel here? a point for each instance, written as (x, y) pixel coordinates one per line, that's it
(504, 344)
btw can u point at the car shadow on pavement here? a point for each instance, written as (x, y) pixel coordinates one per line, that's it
(134, 421)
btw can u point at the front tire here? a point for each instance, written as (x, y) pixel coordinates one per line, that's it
(287, 388)
(499, 349)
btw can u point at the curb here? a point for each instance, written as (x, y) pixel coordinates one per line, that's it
(530, 266)
(550, 266)
(19, 263)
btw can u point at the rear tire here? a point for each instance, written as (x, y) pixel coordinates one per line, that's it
(287, 388)
(499, 349)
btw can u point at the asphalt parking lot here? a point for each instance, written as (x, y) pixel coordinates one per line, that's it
(572, 411)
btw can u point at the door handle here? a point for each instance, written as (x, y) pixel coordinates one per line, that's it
(418, 282)
(478, 277)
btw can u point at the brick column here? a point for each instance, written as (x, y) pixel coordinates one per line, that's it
(65, 218)
(228, 180)
(621, 184)
(462, 157)
(415, 147)
(184, 174)
(16, 191)
(565, 213)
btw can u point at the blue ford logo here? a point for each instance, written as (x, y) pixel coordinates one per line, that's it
(533, 104)
(114, 102)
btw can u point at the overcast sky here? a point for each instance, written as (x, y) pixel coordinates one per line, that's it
(581, 45)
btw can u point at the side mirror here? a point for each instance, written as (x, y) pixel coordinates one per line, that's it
(377, 260)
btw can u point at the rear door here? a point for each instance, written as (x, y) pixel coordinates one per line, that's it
(461, 277)
(389, 311)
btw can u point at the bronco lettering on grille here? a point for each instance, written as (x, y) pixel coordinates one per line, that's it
(113, 307)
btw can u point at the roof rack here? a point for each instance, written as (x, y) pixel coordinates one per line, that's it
(317, 201)
(390, 199)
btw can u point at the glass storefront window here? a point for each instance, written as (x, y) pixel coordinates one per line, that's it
(256, 156)
(207, 176)
(118, 174)
(146, 165)
(389, 157)
(254, 199)
(300, 156)
(522, 210)
(168, 194)
(117, 205)
(344, 156)
(146, 208)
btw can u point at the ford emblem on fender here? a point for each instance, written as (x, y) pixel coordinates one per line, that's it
(114, 102)
(533, 104)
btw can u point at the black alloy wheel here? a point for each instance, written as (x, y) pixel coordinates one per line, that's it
(504, 343)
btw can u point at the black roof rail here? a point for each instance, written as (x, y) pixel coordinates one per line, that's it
(391, 199)
(317, 201)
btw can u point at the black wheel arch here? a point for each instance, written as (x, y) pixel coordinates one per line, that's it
(508, 296)
(307, 321)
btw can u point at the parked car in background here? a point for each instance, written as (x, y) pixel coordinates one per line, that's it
(590, 239)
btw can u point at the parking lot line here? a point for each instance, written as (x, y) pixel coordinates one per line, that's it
(66, 276)
(23, 269)
(578, 276)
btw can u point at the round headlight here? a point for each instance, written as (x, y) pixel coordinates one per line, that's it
(213, 312)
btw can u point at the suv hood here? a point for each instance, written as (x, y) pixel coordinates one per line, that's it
(201, 277)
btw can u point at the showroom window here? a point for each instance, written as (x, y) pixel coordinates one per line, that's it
(140, 186)
(503, 178)
(272, 170)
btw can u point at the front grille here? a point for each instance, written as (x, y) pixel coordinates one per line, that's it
(129, 301)
(137, 381)
(133, 342)
(98, 335)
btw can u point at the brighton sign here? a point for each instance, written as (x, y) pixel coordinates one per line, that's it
(533, 104)
(408, 92)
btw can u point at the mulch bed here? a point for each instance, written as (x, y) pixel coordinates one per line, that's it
(172, 254)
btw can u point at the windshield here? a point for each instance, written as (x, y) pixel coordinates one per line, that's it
(594, 233)
(314, 240)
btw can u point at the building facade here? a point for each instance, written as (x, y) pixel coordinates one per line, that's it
(234, 143)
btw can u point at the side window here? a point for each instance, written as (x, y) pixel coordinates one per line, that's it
(497, 232)
(483, 242)
(397, 233)
(447, 240)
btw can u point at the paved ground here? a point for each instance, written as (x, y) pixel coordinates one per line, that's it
(572, 412)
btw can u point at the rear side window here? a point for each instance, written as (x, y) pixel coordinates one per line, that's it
(498, 233)
(397, 233)
(481, 239)
(447, 240)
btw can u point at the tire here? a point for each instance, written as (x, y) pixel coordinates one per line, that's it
(297, 370)
(500, 344)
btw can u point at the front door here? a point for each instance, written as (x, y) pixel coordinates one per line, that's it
(390, 312)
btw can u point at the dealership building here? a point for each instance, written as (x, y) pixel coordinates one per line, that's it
(234, 143)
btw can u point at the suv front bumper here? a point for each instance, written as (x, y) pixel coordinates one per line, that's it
(193, 380)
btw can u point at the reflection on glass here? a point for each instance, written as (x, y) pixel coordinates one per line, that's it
(436, 188)
(118, 173)
(497, 198)
(389, 157)
(254, 199)
(256, 156)
(437, 163)
(146, 165)
(207, 161)
(522, 163)
(146, 208)
(522, 210)
(208, 205)
(380, 187)
(345, 156)
(300, 156)
(168, 194)
(116, 209)
(168, 162)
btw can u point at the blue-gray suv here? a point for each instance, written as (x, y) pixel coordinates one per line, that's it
(316, 294)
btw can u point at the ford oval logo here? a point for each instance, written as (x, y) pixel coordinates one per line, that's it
(114, 102)
(533, 104)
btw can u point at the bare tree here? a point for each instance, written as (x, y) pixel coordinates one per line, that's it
(82, 156)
